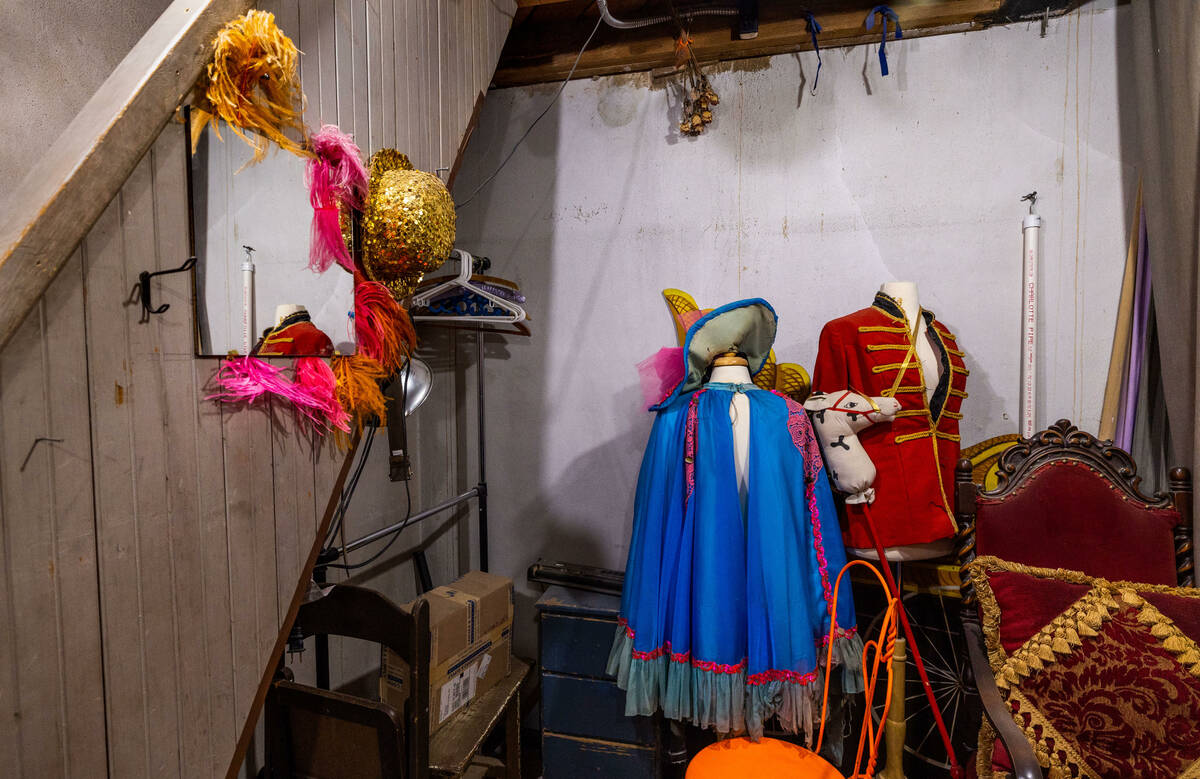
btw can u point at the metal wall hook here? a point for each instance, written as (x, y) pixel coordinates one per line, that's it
(37, 441)
(1032, 198)
(144, 286)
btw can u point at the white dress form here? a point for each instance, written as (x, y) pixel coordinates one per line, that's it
(739, 418)
(284, 310)
(905, 295)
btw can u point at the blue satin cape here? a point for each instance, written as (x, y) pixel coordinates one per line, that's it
(724, 617)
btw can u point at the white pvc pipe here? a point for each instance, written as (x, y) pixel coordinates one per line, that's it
(247, 306)
(1030, 229)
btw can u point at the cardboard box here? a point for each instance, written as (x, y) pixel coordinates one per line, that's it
(462, 613)
(470, 623)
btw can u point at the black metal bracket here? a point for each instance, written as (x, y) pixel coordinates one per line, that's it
(144, 287)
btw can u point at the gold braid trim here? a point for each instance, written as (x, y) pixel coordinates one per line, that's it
(1161, 627)
(958, 393)
(948, 436)
(979, 569)
(1192, 771)
(883, 329)
(987, 745)
(1056, 766)
(881, 347)
(955, 369)
(900, 439)
(913, 388)
(892, 366)
(1065, 633)
(956, 352)
(911, 412)
(949, 414)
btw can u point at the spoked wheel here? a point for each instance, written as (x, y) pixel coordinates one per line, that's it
(939, 637)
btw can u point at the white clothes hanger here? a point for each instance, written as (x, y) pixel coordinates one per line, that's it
(513, 312)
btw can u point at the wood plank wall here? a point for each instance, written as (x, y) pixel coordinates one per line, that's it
(148, 556)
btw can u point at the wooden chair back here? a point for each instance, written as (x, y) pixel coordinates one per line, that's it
(1067, 500)
(314, 732)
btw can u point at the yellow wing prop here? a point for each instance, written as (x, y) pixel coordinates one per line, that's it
(985, 458)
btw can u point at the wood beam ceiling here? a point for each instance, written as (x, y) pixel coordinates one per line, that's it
(547, 34)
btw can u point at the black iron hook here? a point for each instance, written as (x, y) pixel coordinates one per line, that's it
(144, 285)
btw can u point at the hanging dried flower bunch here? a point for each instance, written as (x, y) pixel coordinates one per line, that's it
(701, 97)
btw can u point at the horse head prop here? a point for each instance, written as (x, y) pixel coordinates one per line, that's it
(837, 418)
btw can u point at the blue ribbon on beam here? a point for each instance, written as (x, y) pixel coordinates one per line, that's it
(814, 28)
(887, 14)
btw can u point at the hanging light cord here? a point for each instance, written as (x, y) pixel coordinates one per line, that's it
(529, 129)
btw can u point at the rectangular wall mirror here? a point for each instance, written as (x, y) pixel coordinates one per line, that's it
(264, 206)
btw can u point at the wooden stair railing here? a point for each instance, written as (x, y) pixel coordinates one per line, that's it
(68, 188)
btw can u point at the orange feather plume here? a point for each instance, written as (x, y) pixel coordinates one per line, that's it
(358, 378)
(253, 83)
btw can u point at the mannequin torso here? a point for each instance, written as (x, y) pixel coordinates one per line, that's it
(739, 418)
(905, 294)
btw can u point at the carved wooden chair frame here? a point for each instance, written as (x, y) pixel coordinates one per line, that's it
(1061, 441)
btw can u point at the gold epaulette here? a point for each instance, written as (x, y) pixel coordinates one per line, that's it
(882, 329)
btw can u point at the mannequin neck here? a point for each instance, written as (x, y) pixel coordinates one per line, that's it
(905, 295)
(284, 310)
(730, 374)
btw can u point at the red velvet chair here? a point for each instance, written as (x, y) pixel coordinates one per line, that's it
(1066, 500)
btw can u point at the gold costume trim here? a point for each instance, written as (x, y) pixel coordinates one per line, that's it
(901, 439)
(881, 347)
(892, 366)
(958, 393)
(882, 329)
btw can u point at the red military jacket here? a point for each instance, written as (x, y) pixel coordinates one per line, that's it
(914, 455)
(295, 334)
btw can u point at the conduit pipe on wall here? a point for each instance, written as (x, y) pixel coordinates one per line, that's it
(633, 24)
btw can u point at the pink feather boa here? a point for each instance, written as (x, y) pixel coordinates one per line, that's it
(313, 394)
(336, 179)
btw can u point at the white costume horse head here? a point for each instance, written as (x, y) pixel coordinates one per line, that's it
(837, 417)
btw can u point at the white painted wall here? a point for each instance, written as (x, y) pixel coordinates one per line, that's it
(808, 201)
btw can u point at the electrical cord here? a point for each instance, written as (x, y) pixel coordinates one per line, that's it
(398, 408)
(348, 491)
(394, 535)
(529, 129)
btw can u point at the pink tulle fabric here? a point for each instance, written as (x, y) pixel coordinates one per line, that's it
(660, 373)
(313, 396)
(336, 178)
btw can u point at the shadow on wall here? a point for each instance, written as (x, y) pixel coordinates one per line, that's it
(518, 395)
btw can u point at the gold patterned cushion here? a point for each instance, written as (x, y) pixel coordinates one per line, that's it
(1108, 687)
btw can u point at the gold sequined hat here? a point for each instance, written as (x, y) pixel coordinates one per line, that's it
(408, 224)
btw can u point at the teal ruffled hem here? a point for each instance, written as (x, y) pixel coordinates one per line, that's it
(723, 701)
